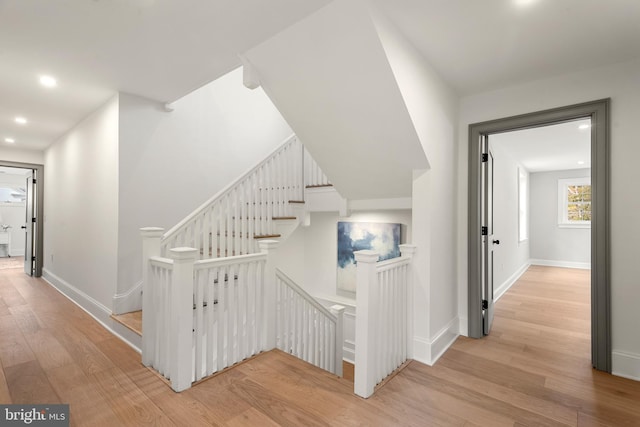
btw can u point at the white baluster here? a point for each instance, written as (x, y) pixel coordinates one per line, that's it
(209, 320)
(237, 229)
(199, 323)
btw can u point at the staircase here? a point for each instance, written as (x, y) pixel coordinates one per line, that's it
(267, 202)
(217, 298)
(216, 294)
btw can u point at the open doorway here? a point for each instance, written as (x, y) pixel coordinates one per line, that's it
(482, 240)
(21, 213)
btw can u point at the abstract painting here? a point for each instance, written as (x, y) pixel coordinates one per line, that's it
(382, 238)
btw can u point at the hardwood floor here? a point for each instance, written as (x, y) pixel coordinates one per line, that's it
(533, 370)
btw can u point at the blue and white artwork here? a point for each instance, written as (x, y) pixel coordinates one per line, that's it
(382, 238)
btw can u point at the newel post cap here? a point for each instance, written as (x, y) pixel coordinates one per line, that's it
(151, 231)
(366, 256)
(408, 250)
(181, 254)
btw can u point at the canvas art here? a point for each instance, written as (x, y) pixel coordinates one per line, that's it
(382, 238)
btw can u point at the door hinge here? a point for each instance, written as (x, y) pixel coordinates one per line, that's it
(33, 258)
(485, 230)
(485, 304)
(485, 157)
(33, 181)
(33, 220)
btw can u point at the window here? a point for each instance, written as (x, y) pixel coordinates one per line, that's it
(574, 202)
(523, 204)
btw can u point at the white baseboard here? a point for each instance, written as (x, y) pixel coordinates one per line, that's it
(463, 328)
(17, 253)
(128, 301)
(504, 287)
(565, 264)
(626, 365)
(94, 308)
(429, 351)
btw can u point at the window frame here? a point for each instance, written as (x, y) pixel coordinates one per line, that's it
(563, 202)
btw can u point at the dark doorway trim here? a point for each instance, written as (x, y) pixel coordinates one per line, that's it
(37, 272)
(598, 111)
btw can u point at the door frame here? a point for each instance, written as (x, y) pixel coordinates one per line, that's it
(599, 112)
(39, 227)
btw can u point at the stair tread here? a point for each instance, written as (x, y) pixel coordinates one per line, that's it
(319, 185)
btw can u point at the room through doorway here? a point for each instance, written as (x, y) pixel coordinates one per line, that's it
(21, 210)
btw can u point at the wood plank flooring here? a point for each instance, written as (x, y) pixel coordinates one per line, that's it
(533, 370)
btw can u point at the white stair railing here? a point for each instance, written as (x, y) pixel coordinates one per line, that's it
(229, 222)
(383, 317)
(229, 312)
(202, 316)
(306, 329)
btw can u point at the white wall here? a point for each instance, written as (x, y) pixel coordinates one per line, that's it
(511, 257)
(550, 244)
(621, 82)
(81, 208)
(329, 76)
(22, 156)
(172, 162)
(431, 104)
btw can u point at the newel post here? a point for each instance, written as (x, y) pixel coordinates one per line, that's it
(408, 251)
(338, 311)
(366, 313)
(181, 333)
(151, 237)
(269, 247)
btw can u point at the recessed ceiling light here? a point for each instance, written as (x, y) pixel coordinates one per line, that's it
(21, 120)
(524, 2)
(9, 140)
(48, 81)
(584, 126)
(581, 162)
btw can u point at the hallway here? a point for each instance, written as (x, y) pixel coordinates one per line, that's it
(533, 370)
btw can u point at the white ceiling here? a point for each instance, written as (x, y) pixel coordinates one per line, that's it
(556, 147)
(478, 45)
(163, 49)
(158, 49)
